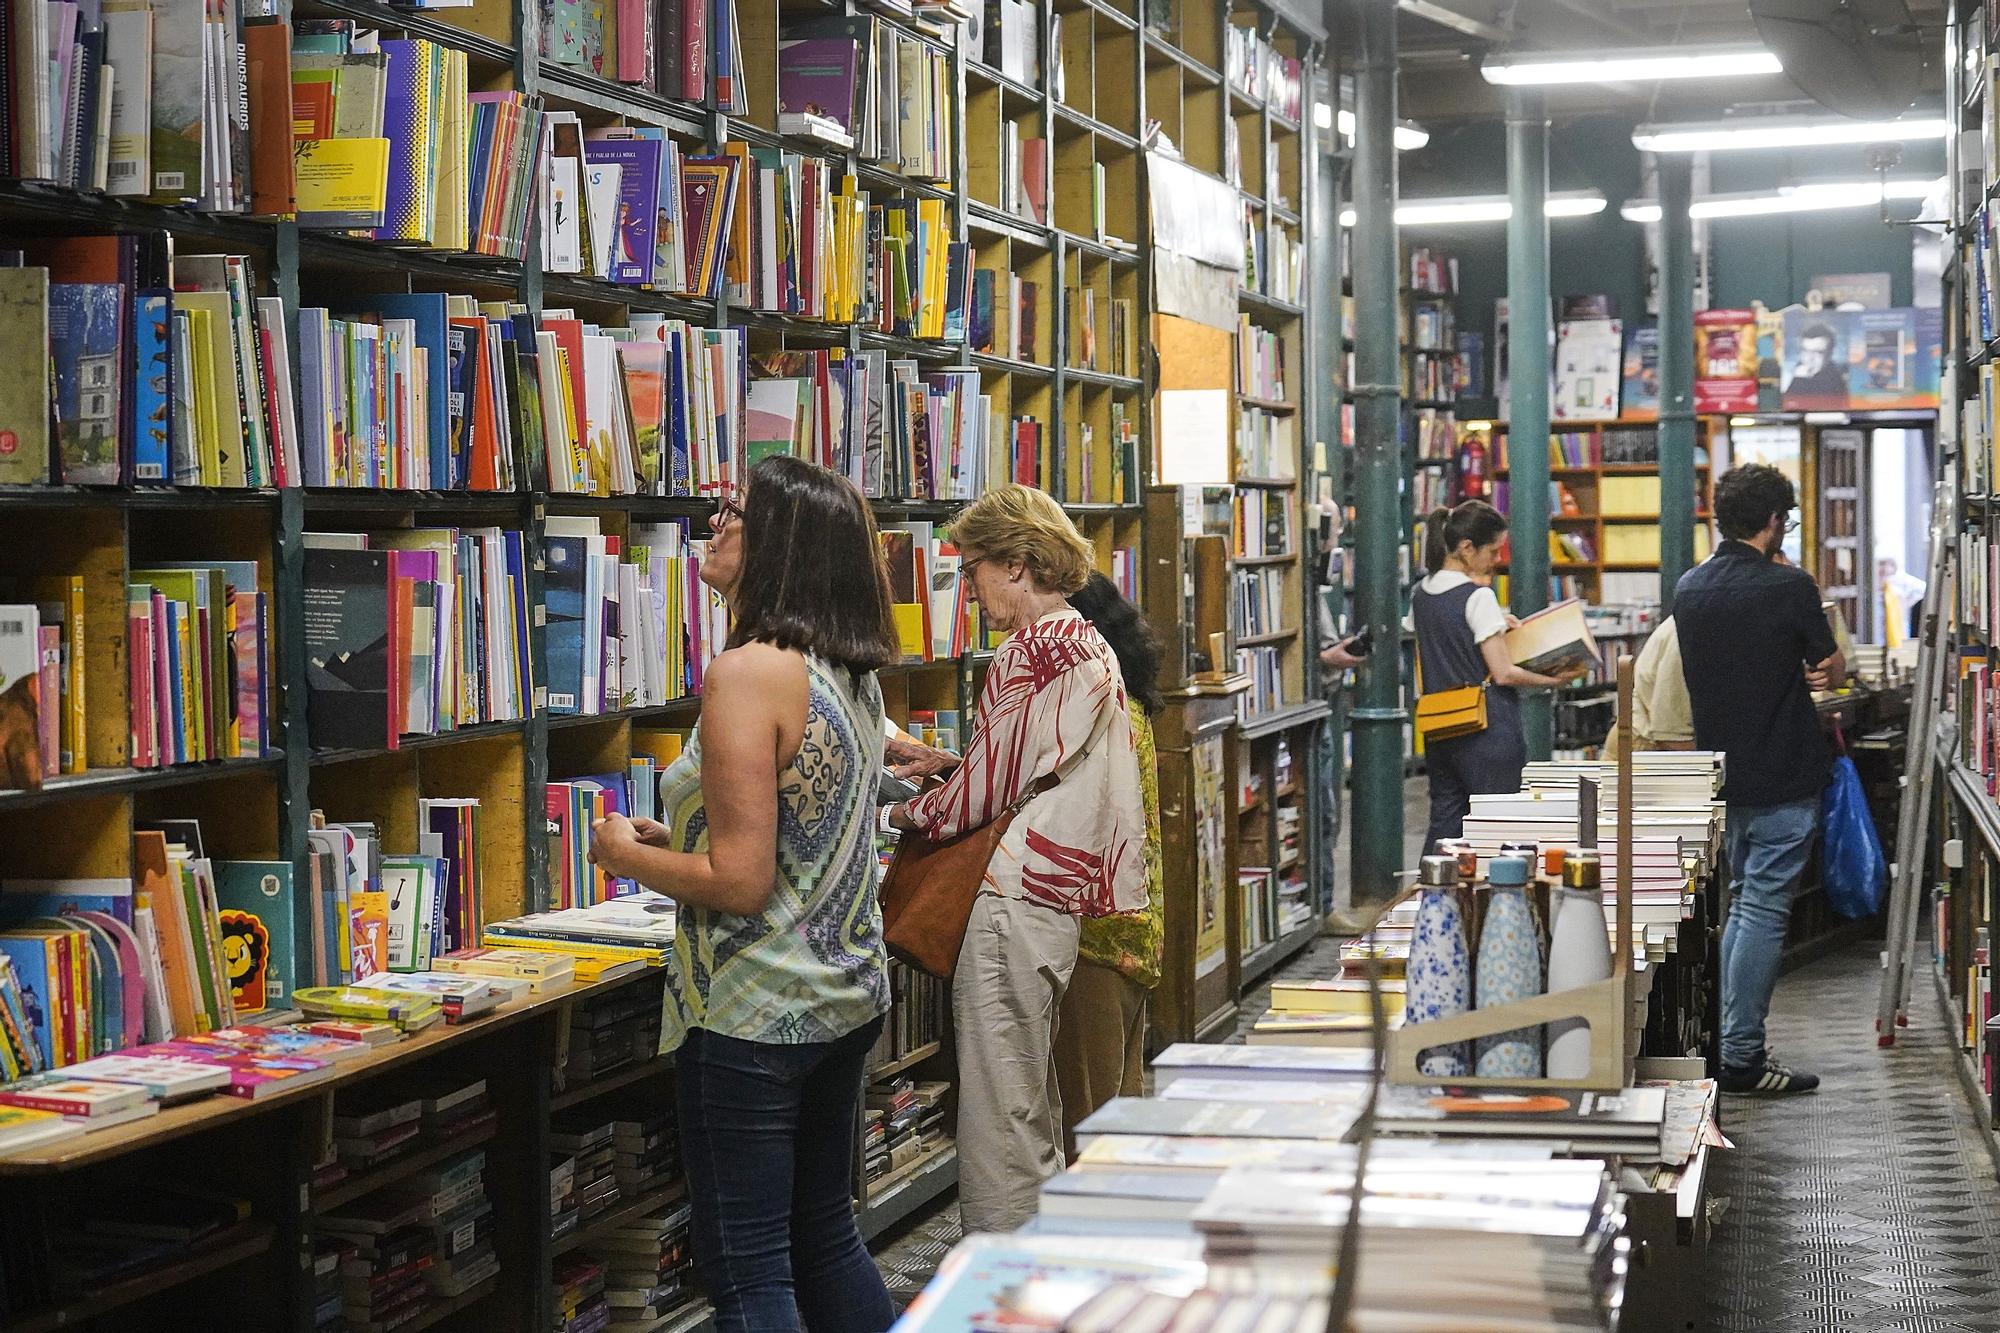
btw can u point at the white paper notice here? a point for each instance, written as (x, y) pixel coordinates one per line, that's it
(1194, 437)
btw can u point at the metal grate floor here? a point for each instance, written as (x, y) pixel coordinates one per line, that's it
(1870, 1204)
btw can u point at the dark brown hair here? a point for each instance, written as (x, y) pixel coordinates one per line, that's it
(1131, 637)
(813, 575)
(1474, 521)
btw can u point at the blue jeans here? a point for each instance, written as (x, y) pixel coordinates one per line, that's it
(1768, 847)
(768, 1135)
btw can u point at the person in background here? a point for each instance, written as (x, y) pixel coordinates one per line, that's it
(1461, 641)
(1755, 643)
(1661, 719)
(1101, 1039)
(1339, 655)
(779, 976)
(1902, 601)
(1052, 710)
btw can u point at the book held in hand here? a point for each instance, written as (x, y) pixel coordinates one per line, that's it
(1553, 638)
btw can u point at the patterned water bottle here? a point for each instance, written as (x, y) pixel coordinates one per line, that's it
(1439, 973)
(1510, 969)
(1579, 954)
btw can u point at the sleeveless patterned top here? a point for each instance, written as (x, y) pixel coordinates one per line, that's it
(812, 966)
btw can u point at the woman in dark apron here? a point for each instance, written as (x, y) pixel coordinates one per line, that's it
(1461, 640)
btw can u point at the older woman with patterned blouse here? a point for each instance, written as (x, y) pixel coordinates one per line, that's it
(1053, 708)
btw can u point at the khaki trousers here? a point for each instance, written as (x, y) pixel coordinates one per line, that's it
(1100, 1043)
(1006, 997)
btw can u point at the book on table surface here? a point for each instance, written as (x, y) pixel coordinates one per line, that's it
(1633, 1116)
(62, 1094)
(1208, 1119)
(21, 1129)
(1548, 1199)
(1336, 995)
(1033, 1283)
(167, 1079)
(1109, 1193)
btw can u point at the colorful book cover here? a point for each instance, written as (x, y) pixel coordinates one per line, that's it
(152, 415)
(1641, 396)
(816, 77)
(259, 948)
(573, 33)
(411, 124)
(31, 956)
(85, 324)
(632, 245)
(342, 184)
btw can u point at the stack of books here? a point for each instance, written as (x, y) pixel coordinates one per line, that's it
(460, 1224)
(580, 1302)
(588, 1139)
(410, 1013)
(638, 927)
(1333, 1012)
(609, 1034)
(648, 1268)
(648, 1153)
(376, 911)
(630, 623)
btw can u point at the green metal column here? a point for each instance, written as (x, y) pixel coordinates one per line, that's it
(1676, 372)
(1528, 378)
(1379, 720)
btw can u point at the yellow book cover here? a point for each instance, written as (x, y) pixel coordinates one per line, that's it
(207, 426)
(615, 952)
(343, 184)
(662, 744)
(233, 734)
(1345, 995)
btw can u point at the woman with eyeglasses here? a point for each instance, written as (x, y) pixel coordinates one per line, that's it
(779, 976)
(1052, 738)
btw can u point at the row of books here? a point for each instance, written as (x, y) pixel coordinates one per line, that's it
(1567, 448)
(930, 598)
(1570, 546)
(96, 966)
(1265, 666)
(1433, 328)
(1087, 466)
(414, 631)
(1273, 260)
(376, 910)
(1119, 355)
(166, 368)
(384, 138)
(806, 240)
(630, 206)
(645, 1267)
(1258, 69)
(1258, 600)
(1430, 378)
(1263, 523)
(629, 625)
(574, 807)
(199, 651)
(1267, 444)
(1432, 272)
(1432, 431)
(404, 1253)
(659, 45)
(857, 82)
(1260, 361)
(1005, 315)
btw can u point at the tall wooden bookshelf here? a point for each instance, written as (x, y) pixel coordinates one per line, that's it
(1251, 722)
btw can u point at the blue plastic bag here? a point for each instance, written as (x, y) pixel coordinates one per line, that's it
(1854, 872)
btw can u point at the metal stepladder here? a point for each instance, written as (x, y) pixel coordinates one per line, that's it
(1920, 758)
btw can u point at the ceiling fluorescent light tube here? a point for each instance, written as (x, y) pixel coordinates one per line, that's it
(1631, 66)
(1484, 208)
(1408, 135)
(1783, 132)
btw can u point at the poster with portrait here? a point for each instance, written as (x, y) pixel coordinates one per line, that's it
(1725, 361)
(1861, 360)
(1211, 857)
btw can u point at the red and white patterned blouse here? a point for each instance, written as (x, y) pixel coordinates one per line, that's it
(1054, 702)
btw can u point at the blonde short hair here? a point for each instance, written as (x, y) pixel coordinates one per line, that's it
(1017, 522)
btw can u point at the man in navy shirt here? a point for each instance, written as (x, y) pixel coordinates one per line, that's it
(1754, 645)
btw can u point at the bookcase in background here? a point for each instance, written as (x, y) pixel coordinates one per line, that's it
(1604, 505)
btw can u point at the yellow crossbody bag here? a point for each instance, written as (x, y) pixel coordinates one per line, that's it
(1449, 714)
